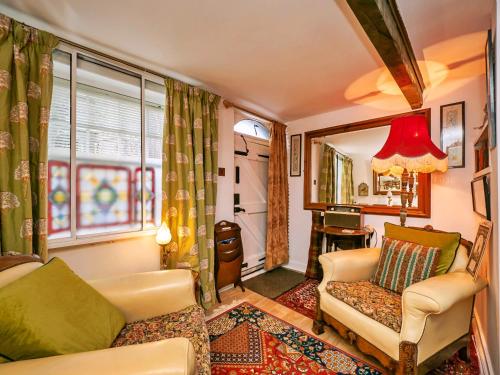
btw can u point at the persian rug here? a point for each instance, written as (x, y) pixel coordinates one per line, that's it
(247, 340)
(302, 298)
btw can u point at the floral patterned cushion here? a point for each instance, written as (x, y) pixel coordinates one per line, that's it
(188, 323)
(378, 303)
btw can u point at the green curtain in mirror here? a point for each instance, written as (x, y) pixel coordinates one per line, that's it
(327, 175)
(25, 97)
(189, 180)
(347, 184)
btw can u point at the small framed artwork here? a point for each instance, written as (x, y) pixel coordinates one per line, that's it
(453, 133)
(490, 89)
(481, 196)
(479, 248)
(295, 155)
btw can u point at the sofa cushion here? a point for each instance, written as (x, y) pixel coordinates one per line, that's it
(403, 263)
(378, 303)
(51, 311)
(447, 242)
(188, 323)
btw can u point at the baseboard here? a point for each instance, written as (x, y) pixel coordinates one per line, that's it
(483, 355)
(296, 266)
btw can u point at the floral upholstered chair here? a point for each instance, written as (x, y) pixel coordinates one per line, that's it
(407, 328)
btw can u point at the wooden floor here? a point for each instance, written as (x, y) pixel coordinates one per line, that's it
(235, 296)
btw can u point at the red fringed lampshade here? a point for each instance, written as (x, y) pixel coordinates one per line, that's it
(410, 147)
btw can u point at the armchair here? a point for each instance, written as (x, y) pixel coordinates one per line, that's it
(139, 296)
(435, 314)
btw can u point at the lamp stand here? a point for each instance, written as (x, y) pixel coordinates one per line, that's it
(404, 197)
(164, 254)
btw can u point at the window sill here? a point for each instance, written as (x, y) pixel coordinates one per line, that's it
(67, 243)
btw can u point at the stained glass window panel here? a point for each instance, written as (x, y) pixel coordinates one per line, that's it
(59, 199)
(104, 197)
(150, 195)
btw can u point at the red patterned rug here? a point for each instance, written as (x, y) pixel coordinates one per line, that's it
(302, 299)
(247, 340)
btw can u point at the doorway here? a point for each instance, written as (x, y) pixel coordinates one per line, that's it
(251, 160)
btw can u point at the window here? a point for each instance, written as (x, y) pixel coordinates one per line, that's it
(253, 128)
(99, 149)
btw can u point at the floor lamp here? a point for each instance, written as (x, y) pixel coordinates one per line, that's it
(408, 151)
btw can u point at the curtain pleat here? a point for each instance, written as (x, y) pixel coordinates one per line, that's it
(190, 180)
(347, 188)
(25, 98)
(327, 175)
(277, 200)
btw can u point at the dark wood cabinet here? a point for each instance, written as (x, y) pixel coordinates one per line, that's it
(228, 255)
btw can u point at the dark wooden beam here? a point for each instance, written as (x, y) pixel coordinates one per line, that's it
(384, 27)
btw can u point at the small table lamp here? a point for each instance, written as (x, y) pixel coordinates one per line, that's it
(409, 150)
(164, 238)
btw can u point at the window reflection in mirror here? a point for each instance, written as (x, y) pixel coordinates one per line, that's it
(341, 170)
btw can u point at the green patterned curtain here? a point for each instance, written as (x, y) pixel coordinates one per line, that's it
(25, 97)
(347, 186)
(190, 180)
(327, 175)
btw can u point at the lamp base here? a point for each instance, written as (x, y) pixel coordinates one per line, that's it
(164, 254)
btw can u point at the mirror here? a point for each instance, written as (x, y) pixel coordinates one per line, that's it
(337, 170)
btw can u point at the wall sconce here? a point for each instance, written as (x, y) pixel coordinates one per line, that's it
(164, 239)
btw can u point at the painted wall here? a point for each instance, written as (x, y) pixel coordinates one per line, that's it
(142, 254)
(488, 303)
(451, 204)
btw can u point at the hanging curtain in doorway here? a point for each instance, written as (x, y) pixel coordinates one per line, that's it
(327, 175)
(189, 180)
(277, 199)
(347, 185)
(25, 97)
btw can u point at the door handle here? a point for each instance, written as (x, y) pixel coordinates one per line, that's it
(239, 209)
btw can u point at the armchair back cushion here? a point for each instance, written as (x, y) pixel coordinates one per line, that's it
(447, 242)
(403, 263)
(51, 311)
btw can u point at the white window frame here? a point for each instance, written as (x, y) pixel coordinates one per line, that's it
(147, 228)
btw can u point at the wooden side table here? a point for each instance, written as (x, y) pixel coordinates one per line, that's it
(341, 238)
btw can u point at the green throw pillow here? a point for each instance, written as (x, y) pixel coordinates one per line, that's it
(447, 242)
(52, 311)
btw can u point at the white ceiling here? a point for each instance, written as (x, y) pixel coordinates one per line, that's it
(285, 58)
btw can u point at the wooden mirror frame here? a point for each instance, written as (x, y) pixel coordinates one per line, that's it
(424, 180)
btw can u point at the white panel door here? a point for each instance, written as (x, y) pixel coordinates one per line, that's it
(252, 190)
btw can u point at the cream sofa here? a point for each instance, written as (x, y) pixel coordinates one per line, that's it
(139, 296)
(436, 313)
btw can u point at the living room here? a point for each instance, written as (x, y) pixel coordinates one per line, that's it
(179, 129)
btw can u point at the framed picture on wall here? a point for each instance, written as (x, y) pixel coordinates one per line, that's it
(490, 89)
(481, 196)
(295, 155)
(453, 133)
(479, 248)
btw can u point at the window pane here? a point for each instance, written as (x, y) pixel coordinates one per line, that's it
(253, 128)
(154, 110)
(108, 148)
(59, 148)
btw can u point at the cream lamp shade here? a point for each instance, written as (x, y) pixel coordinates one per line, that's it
(163, 236)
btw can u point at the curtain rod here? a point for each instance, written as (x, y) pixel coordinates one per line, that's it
(228, 104)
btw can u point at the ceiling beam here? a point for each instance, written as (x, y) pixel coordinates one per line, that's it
(384, 27)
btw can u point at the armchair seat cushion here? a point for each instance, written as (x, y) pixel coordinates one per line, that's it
(188, 323)
(379, 304)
